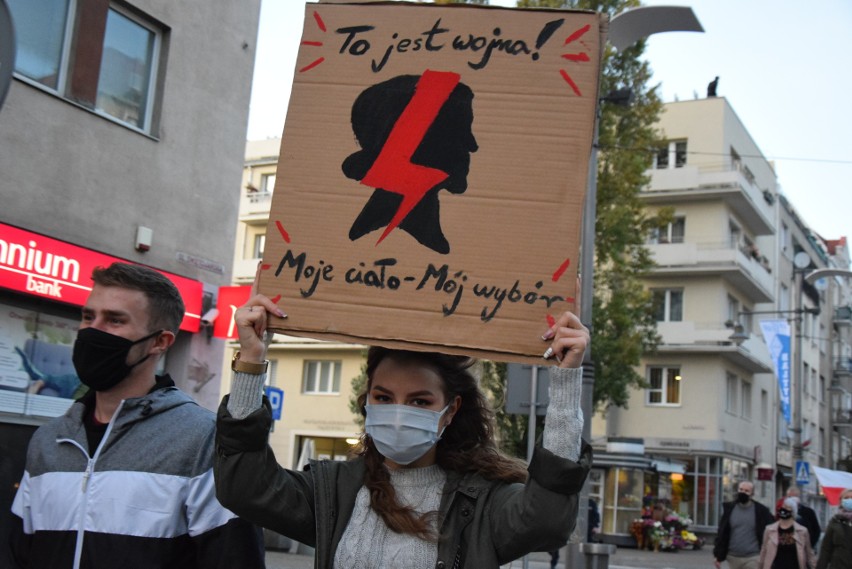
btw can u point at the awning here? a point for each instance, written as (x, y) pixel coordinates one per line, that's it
(833, 483)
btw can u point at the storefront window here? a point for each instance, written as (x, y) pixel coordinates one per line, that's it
(37, 376)
(623, 493)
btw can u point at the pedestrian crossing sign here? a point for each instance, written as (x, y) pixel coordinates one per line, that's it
(803, 472)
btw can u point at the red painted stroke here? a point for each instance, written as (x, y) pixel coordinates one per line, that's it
(576, 35)
(313, 43)
(311, 65)
(570, 82)
(276, 299)
(265, 267)
(557, 274)
(392, 170)
(575, 56)
(282, 231)
(551, 321)
(320, 23)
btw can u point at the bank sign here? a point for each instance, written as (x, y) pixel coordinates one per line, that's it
(37, 265)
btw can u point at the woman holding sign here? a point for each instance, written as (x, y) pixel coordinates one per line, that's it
(428, 487)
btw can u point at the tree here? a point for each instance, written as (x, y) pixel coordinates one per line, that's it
(623, 323)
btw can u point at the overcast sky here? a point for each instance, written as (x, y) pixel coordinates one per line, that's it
(785, 66)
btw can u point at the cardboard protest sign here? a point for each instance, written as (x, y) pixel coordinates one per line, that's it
(432, 174)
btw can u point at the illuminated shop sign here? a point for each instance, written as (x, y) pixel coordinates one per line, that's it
(40, 266)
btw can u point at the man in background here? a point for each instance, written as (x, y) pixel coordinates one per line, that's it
(741, 528)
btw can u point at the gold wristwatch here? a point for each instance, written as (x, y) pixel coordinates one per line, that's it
(248, 367)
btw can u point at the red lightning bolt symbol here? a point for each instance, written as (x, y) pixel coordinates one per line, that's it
(393, 171)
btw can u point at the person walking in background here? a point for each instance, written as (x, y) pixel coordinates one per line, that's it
(125, 478)
(786, 543)
(741, 530)
(594, 520)
(806, 516)
(427, 486)
(836, 549)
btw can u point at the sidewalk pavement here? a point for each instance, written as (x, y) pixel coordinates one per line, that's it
(624, 558)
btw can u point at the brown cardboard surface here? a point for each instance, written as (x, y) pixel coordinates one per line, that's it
(488, 251)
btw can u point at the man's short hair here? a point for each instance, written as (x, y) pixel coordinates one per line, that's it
(165, 305)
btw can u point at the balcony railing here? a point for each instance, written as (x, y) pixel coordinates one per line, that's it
(747, 270)
(742, 193)
(842, 366)
(842, 418)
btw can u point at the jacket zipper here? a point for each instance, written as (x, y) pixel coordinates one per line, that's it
(84, 485)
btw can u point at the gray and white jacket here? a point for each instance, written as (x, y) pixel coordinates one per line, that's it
(143, 498)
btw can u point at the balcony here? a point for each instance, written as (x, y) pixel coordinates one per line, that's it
(713, 338)
(842, 367)
(842, 418)
(255, 204)
(843, 316)
(690, 183)
(745, 270)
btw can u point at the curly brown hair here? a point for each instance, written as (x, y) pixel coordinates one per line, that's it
(466, 446)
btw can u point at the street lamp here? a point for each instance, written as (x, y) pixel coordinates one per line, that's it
(810, 278)
(625, 29)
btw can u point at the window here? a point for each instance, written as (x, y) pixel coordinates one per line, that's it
(731, 391)
(668, 305)
(671, 155)
(259, 244)
(670, 233)
(662, 158)
(664, 386)
(92, 53)
(764, 407)
(267, 183)
(746, 397)
(736, 161)
(680, 154)
(321, 376)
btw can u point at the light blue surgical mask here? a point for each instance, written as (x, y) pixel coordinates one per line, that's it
(846, 504)
(403, 433)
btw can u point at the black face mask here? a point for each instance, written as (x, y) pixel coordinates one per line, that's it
(100, 358)
(785, 514)
(743, 498)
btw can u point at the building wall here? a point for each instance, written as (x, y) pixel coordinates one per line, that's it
(79, 177)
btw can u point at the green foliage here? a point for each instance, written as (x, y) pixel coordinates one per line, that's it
(623, 325)
(359, 383)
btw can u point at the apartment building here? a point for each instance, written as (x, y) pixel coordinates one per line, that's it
(712, 414)
(315, 376)
(121, 138)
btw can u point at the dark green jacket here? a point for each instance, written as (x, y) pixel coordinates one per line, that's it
(835, 552)
(485, 523)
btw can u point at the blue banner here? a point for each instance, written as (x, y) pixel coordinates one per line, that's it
(776, 334)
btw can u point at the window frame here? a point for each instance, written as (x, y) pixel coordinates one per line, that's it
(666, 295)
(70, 63)
(663, 390)
(732, 393)
(746, 389)
(336, 370)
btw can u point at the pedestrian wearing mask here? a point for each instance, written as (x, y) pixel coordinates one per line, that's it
(428, 486)
(805, 516)
(741, 530)
(786, 543)
(125, 478)
(836, 549)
